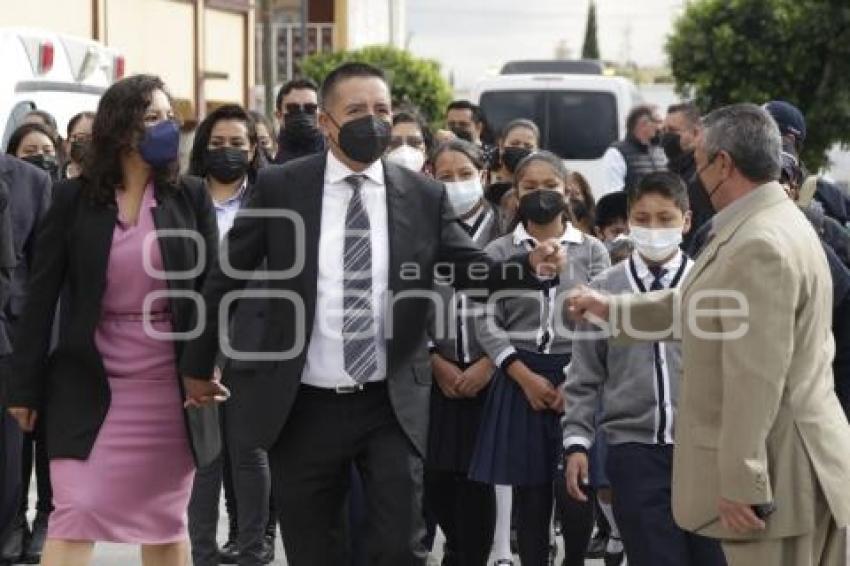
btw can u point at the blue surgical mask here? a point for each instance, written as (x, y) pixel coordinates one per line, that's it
(161, 144)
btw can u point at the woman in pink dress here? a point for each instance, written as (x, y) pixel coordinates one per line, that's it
(122, 447)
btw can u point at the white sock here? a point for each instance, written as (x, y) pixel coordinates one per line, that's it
(502, 533)
(615, 544)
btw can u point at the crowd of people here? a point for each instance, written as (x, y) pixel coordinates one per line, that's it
(375, 329)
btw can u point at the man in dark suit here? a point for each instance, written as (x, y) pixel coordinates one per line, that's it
(24, 198)
(351, 312)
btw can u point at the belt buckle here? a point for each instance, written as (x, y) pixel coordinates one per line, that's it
(348, 389)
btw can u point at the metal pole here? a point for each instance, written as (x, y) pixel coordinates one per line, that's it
(268, 58)
(304, 16)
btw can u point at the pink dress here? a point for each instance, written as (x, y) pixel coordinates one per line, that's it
(136, 484)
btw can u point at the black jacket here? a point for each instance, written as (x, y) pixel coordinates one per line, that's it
(422, 231)
(840, 326)
(830, 231)
(29, 198)
(701, 209)
(835, 201)
(70, 387)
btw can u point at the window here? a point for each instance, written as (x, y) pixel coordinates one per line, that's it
(581, 124)
(573, 124)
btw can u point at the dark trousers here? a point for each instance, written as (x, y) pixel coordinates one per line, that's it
(204, 504)
(640, 476)
(358, 520)
(252, 492)
(10, 471)
(311, 474)
(34, 455)
(576, 520)
(466, 512)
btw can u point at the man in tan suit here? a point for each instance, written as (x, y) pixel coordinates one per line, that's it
(762, 458)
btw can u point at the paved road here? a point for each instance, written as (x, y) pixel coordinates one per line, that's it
(126, 555)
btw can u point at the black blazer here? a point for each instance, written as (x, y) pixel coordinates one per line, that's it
(29, 199)
(422, 231)
(70, 387)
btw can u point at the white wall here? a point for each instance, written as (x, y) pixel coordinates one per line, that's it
(372, 22)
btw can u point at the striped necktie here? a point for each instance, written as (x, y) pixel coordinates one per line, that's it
(358, 325)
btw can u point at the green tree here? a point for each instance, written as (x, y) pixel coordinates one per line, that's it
(590, 49)
(727, 51)
(413, 81)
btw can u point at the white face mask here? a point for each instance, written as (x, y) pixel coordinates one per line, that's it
(408, 157)
(656, 244)
(464, 195)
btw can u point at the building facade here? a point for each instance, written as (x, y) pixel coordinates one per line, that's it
(202, 49)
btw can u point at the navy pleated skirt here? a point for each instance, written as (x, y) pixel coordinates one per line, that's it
(517, 445)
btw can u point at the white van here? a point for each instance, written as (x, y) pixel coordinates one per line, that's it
(579, 116)
(60, 74)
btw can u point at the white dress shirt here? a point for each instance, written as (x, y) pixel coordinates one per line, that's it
(325, 365)
(225, 211)
(614, 172)
(671, 267)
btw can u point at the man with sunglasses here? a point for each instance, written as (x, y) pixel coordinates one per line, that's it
(297, 109)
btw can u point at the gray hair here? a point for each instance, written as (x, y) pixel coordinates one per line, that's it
(749, 135)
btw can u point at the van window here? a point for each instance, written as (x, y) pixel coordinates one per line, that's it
(573, 124)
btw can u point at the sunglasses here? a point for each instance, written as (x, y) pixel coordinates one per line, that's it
(308, 108)
(415, 142)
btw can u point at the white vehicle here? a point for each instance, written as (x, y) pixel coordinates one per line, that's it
(579, 116)
(60, 74)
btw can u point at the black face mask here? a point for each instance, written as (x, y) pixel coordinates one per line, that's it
(78, 151)
(541, 206)
(226, 164)
(44, 162)
(579, 209)
(656, 139)
(672, 144)
(364, 139)
(465, 135)
(496, 191)
(299, 131)
(512, 155)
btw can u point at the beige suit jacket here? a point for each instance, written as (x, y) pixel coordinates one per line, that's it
(758, 419)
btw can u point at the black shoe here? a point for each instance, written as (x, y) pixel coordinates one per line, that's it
(229, 553)
(35, 543)
(13, 546)
(615, 558)
(597, 545)
(267, 557)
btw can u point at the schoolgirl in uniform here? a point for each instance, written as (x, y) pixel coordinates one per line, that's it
(464, 509)
(518, 442)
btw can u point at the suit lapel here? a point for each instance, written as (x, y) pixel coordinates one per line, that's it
(399, 225)
(96, 230)
(769, 195)
(306, 201)
(176, 252)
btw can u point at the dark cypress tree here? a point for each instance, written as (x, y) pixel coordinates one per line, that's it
(590, 49)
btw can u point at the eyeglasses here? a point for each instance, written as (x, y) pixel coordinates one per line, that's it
(308, 108)
(415, 142)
